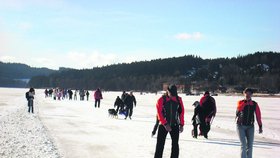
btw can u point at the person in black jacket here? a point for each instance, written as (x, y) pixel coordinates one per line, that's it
(129, 101)
(209, 109)
(30, 97)
(87, 94)
(70, 93)
(170, 113)
(119, 104)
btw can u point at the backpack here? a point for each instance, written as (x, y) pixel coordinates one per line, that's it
(172, 111)
(208, 106)
(27, 96)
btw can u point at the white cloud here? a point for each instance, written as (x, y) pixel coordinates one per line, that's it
(77, 60)
(89, 60)
(80, 59)
(7, 58)
(189, 36)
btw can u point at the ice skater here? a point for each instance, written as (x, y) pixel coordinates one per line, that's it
(246, 109)
(170, 112)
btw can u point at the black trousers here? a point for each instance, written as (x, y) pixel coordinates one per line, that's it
(97, 103)
(204, 128)
(119, 107)
(161, 137)
(129, 111)
(30, 106)
(195, 130)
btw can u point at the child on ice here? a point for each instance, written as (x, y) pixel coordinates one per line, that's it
(196, 118)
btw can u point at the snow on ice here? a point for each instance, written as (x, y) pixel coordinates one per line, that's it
(77, 129)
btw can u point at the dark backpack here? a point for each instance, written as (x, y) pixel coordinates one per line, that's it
(172, 111)
(27, 96)
(208, 105)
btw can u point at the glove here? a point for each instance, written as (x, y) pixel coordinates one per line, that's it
(181, 128)
(153, 133)
(167, 128)
(260, 130)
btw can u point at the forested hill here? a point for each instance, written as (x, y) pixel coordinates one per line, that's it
(260, 70)
(17, 75)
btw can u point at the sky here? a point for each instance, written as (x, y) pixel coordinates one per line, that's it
(89, 33)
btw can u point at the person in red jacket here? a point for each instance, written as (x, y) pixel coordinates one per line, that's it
(170, 113)
(246, 109)
(208, 112)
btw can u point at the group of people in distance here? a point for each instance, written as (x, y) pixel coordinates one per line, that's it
(61, 94)
(125, 104)
(170, 117)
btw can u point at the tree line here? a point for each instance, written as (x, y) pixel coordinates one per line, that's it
(13, 74)
(260, 70)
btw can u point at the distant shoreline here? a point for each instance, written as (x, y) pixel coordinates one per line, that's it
(265, 95)
(255, 95)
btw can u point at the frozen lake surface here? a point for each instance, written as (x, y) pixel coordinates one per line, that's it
(77, 129)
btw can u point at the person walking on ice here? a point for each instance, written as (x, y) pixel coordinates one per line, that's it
(170, 112)
(97, 97)
(129, 101)
(208, 112)
(246, 109)
(197, 116)
(87, 94)
(30, 97)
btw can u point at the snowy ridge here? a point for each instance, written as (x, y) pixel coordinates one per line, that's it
(24, 136)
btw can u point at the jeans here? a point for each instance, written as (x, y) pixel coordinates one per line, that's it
(30, 106)
(162, 133)
(246, 137)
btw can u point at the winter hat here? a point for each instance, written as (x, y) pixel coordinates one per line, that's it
(248, 90)
(31, 90)
(173, 90)
(206, 93)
